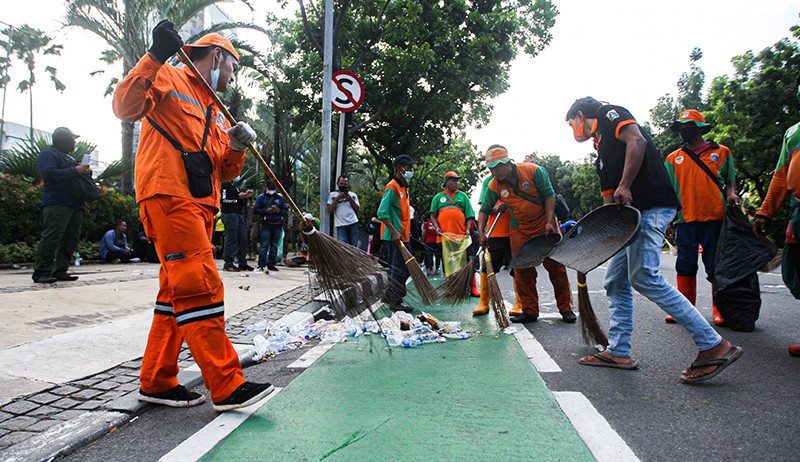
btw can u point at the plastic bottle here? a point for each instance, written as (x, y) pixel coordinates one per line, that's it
(78, 259)
(411, 342)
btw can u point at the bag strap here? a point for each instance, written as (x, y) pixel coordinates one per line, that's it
(454, 203)
(523, 195)
(703, 166)
(172, 140)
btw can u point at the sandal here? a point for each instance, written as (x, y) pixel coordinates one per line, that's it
(608, 362)
(721, 363)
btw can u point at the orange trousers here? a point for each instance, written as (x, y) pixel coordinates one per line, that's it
(189, 304)
(525, 279)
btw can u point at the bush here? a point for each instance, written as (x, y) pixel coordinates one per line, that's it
(18, 252)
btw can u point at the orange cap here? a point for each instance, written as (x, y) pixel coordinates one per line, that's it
(495, 156)
(211, 40)
(691, 116)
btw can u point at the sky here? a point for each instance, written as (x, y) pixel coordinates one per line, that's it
(626, 52)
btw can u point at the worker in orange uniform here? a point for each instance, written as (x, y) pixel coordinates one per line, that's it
(186, 149)
(451, 212)
(499, 243)
(527, 192)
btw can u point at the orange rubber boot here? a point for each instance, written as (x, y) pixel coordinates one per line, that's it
(687, 285)
(718, 319)
(794, 350)
(483, 303)
(517, 310)
(475, 291)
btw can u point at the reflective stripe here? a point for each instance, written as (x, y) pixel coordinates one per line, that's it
(186, 98)
(200, 313)
(164, 309)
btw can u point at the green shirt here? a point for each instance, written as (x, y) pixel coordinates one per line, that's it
(541, 181)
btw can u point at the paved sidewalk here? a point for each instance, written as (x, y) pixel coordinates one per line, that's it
(57, 417)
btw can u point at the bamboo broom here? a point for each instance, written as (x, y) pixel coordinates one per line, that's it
(457, 287)
(421, 281)
(347, 276)
(590, 328)
(495, 295)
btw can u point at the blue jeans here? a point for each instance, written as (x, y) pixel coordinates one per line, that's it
(348, 234)
(638, 267)
(270, 236)
(235, 238)
(687, 236)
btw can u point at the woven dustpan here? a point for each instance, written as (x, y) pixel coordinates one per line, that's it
(597, 237)
(593, 240)
(534, 251)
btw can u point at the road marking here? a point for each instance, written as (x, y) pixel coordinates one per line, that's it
(535, 351)
(311, 356)
(197, 445)
(603, 441)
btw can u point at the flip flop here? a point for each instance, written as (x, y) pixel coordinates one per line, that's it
(608, 362)
(721, 363)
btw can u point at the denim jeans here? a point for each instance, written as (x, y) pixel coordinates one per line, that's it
(637, 267)
(348, 234)
(270, 236)
(687, 236)
(235, 238)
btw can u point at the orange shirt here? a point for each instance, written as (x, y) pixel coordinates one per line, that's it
(700, 197)
(503, 226)
(177, 102)
(396, 206)
(528, 218)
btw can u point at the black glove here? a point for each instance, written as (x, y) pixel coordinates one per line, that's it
(166, 41)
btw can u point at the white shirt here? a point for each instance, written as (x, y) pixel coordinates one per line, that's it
(343, 214)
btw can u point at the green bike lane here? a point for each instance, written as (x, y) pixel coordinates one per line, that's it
(474, 399)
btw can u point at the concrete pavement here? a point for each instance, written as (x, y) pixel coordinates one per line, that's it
(70, 351)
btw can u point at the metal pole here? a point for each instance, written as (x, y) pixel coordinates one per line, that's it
(5, 87)
(340, 145)
(327, 81)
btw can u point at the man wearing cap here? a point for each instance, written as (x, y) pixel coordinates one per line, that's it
(186, 149)
(699, 219)
(786, 181)
(450, 210)
(344, 206)
(632, 173)
(394, 212)
(526, 190)
(62, 211)
(272, 208)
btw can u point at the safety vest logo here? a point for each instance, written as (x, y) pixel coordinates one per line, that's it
(443, 200)
(792, 131)
(714, 157)
(612, 115)
(526, 185)
(504, 193)
(402, 195)
(679, 160)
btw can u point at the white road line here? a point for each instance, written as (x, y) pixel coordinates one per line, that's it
(603, 441)
(197, 445)
(535, 351)
(311, 356)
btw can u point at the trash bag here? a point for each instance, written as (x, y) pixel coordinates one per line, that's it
(740, 254)
(454, 250)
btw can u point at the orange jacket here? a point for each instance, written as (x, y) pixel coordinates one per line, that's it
(527, 217)
(177, 102)
(396, 206)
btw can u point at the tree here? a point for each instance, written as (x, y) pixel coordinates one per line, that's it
(125, 26)
(430, 68)
(576, 181)
(27, 43)
(668, 108)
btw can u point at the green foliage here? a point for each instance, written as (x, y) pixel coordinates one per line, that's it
(21, 159)
(576, 181)
(17, 252)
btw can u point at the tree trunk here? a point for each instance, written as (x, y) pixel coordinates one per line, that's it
(30, 98)
(126, 183)
(277, 158)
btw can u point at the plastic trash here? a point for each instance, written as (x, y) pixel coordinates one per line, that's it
(411, 342)
(262, 326)
(450, 327)
(457, 336)
(78, 259)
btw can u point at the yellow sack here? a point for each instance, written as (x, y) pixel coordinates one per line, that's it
(454, 250)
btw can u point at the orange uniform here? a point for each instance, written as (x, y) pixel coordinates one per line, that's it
(396, 206)
(189, 304)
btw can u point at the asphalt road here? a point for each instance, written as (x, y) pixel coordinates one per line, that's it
(749, 412)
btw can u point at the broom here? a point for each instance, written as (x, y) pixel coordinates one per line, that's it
(495, 295)
(590, 328)
(424, 287)
(457, 287)
(347, 276)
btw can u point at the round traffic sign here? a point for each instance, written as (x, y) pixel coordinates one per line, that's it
(348, 91)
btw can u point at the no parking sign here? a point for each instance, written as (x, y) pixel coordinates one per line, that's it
(347, 92)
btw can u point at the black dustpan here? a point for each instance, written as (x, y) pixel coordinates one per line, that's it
(597, 237)
(534, 251)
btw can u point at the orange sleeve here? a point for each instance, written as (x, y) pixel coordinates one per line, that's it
(776, 194)
(607, 192)
(137, 94)
(622, 124)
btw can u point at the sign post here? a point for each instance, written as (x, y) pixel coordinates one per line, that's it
(347, 94)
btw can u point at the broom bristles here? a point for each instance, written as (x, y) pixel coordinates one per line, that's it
(348, 277)
(591, 331)
(457, 287)
(424, 287)
(495, 295)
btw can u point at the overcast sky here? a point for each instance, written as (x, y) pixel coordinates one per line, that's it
(628, 52)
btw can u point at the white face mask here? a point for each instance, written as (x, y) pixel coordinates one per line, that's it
(271, 191)
(408, 174)
(215, 75)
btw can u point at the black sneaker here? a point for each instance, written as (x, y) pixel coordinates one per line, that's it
(272, 268)
(230, 268)
(44, 280)
(248, 393)
(174, 397)
(246, 267)
(66, 277)
(568, 316)
(401, 307)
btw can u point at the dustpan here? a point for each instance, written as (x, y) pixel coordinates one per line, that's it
(534, 251)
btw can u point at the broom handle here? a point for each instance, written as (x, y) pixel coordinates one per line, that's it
(295, 209)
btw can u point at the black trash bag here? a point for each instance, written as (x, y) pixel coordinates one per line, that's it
(740, 254)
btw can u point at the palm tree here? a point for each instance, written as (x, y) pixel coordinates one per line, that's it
(21, 159)
(125, 26)
(28, 42)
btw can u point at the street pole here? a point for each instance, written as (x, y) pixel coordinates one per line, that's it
(340, 145)
(5, 86)
(327, 81)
